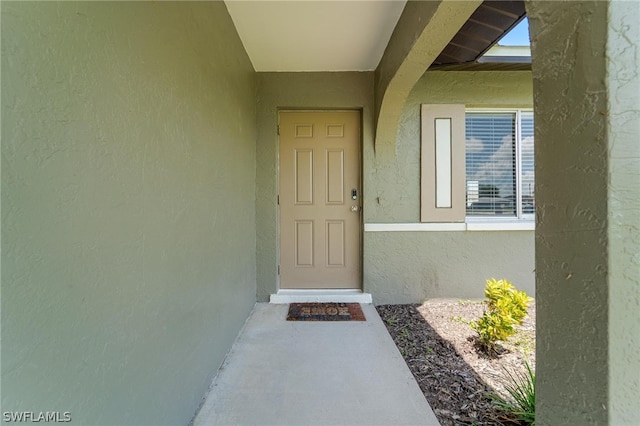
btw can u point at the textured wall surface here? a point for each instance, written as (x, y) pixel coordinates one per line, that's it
(423, 30)
(401, 267)
(392, 273)
(393, 178)
(569, 74)
(409, 267)
(623, 81)
(128, 182)
(346, 90)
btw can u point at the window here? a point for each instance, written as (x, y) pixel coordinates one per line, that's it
(499, 164)
(477, 169)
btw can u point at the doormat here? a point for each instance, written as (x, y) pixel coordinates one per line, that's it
(325, 312)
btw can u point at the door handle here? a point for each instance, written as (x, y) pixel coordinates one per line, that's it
(355, 208)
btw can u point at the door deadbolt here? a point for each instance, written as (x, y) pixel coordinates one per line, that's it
(354, 194)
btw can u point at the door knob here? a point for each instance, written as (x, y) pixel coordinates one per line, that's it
(355, 208)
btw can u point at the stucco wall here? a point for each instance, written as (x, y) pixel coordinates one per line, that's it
(409, 267)
(128, 182)
(398, 267)
(623, 81)
(569, 70)
(402, 267)
(341, 90)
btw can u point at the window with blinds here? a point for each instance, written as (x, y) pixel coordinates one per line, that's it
(499, 163)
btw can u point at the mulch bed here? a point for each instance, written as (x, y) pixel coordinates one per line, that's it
(456, 388)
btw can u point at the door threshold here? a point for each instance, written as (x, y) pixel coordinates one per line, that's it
(320, 296)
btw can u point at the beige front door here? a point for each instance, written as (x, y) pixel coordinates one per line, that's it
(320, 199)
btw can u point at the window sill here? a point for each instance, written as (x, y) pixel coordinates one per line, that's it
(471, 225)
(501, 225)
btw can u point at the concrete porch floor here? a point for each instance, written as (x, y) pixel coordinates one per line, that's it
(314, 373)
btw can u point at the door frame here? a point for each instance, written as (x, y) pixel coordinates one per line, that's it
(361, 183)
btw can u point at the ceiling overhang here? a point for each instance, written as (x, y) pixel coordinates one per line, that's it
(484, 28)
(352, 35)
(315, 35)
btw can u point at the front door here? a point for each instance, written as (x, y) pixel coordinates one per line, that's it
(320, 199)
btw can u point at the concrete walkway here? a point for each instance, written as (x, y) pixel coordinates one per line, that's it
(314, 373)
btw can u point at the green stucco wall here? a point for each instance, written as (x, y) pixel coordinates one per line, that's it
(409, 267)
(128, 221)
(393, 184)
(398, 267)
(404, 267)
(569, 69)
(281, 91)
(422, 32)
(623, 216)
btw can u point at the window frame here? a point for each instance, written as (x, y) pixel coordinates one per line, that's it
(520, 216)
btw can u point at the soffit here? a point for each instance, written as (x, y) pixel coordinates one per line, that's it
(491, 66)
(308, 35)
(351, 35)
(488, 24)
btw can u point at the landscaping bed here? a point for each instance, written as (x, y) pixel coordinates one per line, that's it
(440, 349)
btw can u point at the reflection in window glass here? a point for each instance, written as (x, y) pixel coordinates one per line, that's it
(499, 164)
(527, 165)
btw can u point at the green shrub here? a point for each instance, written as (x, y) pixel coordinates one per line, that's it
(506, 307)
(522, 389)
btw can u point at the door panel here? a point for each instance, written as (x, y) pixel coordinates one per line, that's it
(335, 176)
(304, 243)
(304, 176)
(335, 243)
(319, 231)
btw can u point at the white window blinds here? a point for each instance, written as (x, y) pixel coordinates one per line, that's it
(499, 164)
(527, 164)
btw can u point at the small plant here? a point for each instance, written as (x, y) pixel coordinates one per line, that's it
(522, 389)
(506, 307)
